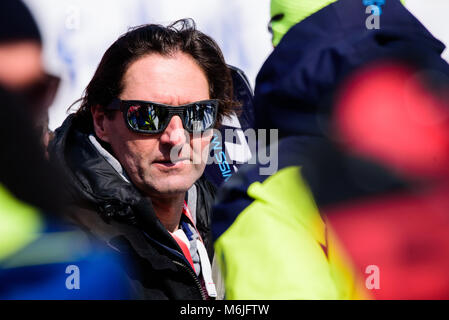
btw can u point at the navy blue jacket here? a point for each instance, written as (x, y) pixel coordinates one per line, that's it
(295, 86)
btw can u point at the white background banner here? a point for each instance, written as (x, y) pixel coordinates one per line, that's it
(77, 33)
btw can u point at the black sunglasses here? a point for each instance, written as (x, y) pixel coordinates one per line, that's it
(151, 117)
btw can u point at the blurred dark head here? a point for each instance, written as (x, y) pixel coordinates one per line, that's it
(21, 68)
(23, 167)
(17, 23)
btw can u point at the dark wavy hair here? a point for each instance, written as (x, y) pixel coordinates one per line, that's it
(180, 36)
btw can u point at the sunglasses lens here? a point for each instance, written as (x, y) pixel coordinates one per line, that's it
(200, 117)
(147, 118)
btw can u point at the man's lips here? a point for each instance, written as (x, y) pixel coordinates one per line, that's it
(170, 163)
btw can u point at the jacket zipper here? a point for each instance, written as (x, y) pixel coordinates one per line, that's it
(188, 268)
(197, 281)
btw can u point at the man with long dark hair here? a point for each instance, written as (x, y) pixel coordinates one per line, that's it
(134, 153)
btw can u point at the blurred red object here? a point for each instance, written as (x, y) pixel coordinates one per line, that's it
(405, 236)
(391, 115)
(388, 112)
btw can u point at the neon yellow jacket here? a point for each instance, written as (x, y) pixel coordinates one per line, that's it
(274, 249)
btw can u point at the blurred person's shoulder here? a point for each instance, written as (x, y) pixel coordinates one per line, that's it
(52, 259)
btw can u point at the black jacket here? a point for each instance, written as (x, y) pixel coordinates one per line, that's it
(114, 211)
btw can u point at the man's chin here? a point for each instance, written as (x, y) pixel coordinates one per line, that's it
(171, 186)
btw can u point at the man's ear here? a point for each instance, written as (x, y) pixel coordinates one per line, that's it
(99, 122)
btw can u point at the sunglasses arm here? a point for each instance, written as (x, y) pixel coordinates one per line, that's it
(114, 105)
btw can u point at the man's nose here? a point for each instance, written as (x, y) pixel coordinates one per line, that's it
(174, 134)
